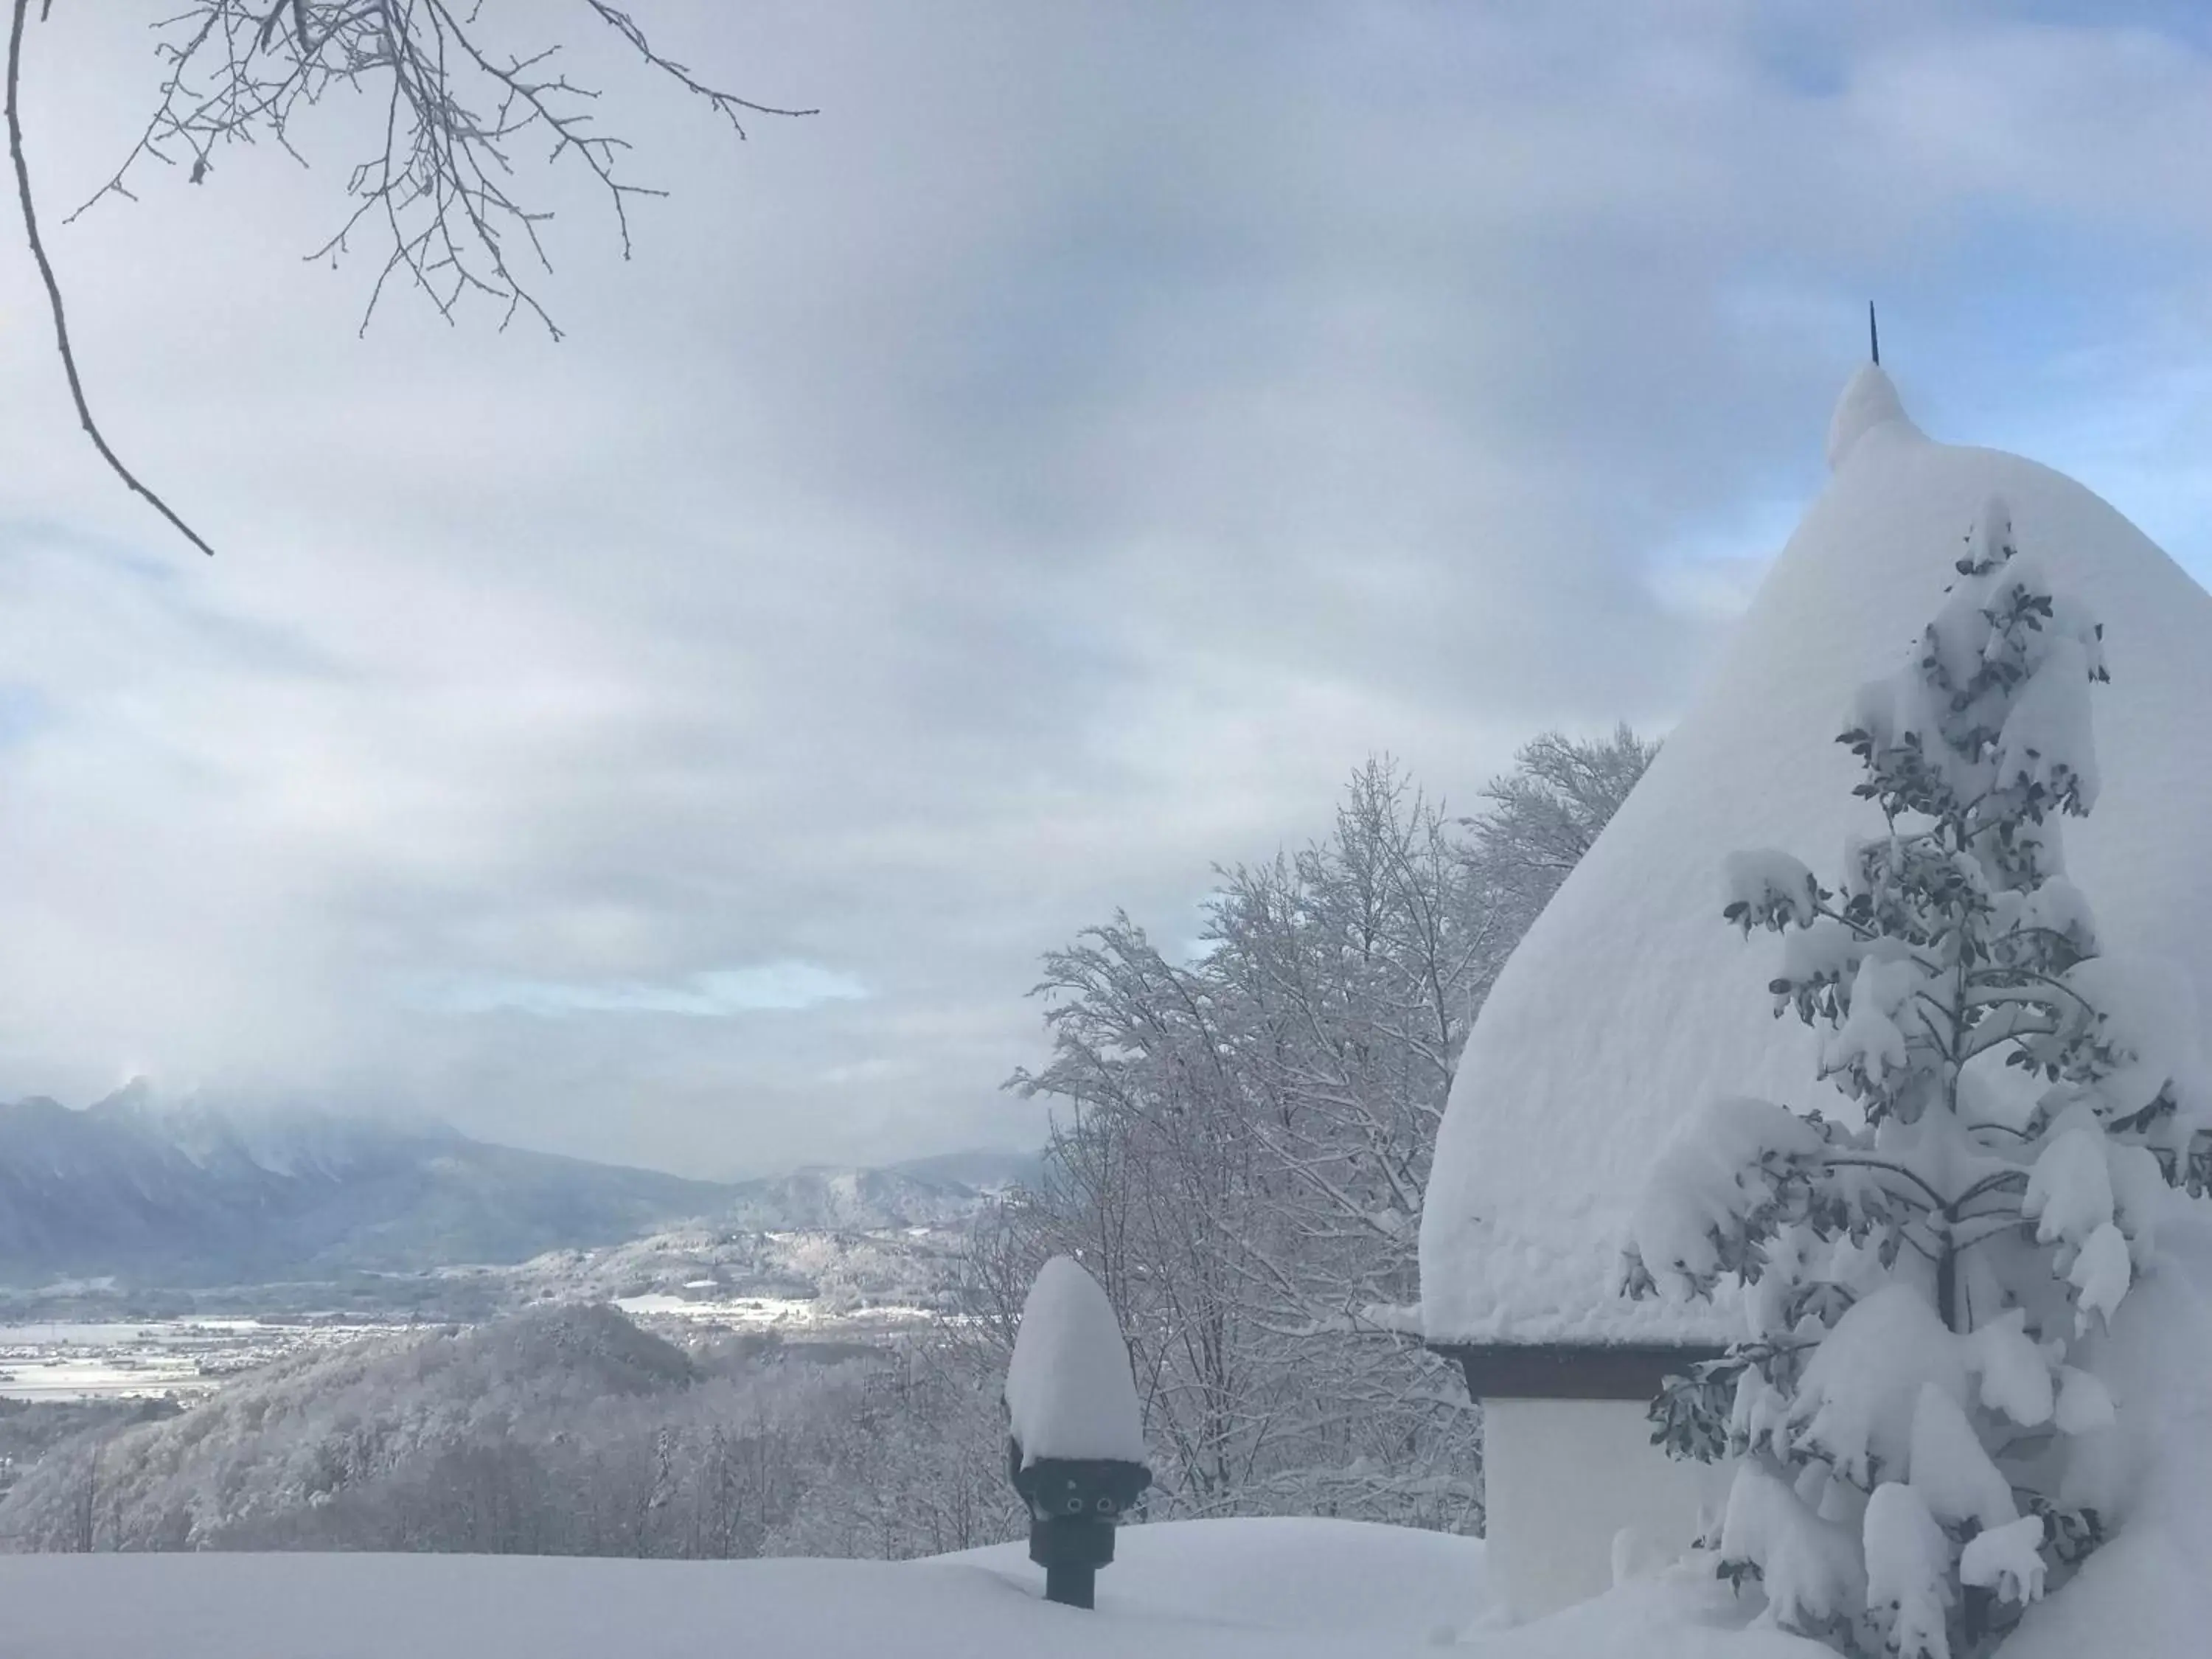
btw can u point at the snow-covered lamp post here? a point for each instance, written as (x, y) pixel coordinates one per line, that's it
(1075, 1448)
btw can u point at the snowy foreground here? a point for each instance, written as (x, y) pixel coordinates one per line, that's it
(1212, 1590)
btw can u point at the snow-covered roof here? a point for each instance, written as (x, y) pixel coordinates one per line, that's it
(1632, 1003)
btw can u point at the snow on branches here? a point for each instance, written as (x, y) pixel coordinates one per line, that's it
(1922, 1273)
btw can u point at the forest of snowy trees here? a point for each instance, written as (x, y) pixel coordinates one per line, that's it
(561, 1429)
(1243, 1135)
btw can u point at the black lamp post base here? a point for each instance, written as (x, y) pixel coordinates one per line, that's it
(1070, 1550)
(1072, 1586)
(1074, 1503)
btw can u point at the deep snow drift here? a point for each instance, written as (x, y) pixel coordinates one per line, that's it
(1202, 1589)
(2147, 1593)
(1631, 1006)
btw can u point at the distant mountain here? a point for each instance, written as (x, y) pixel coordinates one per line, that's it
(981, 1171)
(182, 1195)
(825, 1199)
(187, 1194)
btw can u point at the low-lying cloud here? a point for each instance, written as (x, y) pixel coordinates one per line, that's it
(720, 993)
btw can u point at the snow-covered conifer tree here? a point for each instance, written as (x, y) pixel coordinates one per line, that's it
(1908, 1404)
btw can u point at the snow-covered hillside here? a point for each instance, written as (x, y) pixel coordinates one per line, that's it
(928, 1193)
(325, 1425)
(824, 1277)
(563, 1430)
(1210, 1589)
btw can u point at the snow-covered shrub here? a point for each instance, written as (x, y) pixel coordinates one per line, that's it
(1922, 1277)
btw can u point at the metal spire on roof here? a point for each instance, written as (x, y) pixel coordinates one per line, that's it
(1873, 334)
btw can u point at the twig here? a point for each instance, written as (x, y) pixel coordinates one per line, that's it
(54, 287)
(725, 104)
(442, 187)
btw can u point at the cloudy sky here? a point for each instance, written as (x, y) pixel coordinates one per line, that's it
(1042, 474)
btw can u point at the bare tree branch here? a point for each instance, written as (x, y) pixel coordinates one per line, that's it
(441, 183)
(440, 187)
(725, 104)
(28, 209)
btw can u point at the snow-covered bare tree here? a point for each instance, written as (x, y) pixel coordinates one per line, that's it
(1361, 960)
(1922, 1274)
(1248, 1135)
(438, 186)
(917, 1466)
(1150, 1181)
(1542, 817)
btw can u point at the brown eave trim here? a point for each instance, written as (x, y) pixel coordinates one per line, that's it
(1570, 1370)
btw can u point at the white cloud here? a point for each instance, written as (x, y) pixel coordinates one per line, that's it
(1045, 473)
(719, 993)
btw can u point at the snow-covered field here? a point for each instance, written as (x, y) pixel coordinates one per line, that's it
(1209, 1590)
(182, 1358)
(806, 1285)
(816, 1284)
(700, 1307)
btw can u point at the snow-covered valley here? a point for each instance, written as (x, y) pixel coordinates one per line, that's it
(178, 1360)
(140, 1200)
(803, 1285)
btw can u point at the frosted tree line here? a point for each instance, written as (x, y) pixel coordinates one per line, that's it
(561, 1429)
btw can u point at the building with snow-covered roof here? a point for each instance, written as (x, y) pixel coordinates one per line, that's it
(1630, 1004)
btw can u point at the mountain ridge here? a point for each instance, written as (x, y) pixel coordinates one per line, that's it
(189, 1194)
